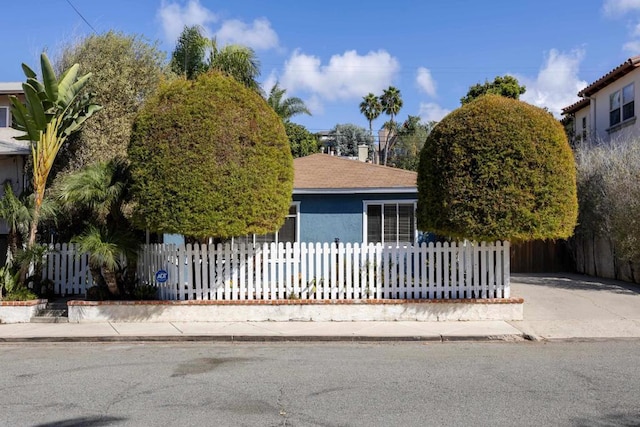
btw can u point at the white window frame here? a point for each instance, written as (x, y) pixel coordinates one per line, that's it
(7, 113)
(297, 232)
(623, 102)
(367, 203)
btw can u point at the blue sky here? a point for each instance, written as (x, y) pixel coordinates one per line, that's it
(332, 53)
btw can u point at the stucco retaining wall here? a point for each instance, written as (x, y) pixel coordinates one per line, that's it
(288, 310)
(20, 311)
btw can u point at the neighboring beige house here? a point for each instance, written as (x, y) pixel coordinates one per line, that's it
(13, 153)
(606, 109)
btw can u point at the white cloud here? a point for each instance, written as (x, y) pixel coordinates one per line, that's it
(430, 111)
(619, 7)
(314, 104)
(270, 81)
(557, 83)
(425, 81)
(174, 17)
(346, 76)
(259, 35)
(632, 47)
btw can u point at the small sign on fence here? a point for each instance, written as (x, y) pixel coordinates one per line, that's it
(162, 276)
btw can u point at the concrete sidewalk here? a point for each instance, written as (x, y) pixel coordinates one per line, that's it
(572, 306)
(558, 307)
(261, 331)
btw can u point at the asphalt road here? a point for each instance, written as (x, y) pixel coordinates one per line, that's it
(337, 384)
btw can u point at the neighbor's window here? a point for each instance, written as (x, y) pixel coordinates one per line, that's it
(287, 233)
(621, 105)
(4, 117)
(390, 222)
(584, 128)
(627, 102)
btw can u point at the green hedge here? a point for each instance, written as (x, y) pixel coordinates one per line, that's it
(210, 158)
(497, 168)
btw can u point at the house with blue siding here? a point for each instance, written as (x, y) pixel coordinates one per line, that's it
(339, 199)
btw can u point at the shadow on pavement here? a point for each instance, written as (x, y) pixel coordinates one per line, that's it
(577, 282)
(622, 420)
(83, 421)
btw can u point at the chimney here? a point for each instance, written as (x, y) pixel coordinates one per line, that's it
(363, 152)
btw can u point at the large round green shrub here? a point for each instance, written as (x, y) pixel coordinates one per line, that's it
(210, 158)
(497, 168)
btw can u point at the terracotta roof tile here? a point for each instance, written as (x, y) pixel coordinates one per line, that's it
(613, 75)
(322, 171)
(576, 106)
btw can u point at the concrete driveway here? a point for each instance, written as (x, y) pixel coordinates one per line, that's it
(571, 306)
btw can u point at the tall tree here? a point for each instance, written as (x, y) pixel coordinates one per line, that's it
(515, 182)
(391, 101)
(125, 71)
(411, 137)
(188, 57)
(237, 61)
(301, 141)
(283, 106)
(371, 108)
(507, 86)
(345, 139)
(210, 159)
(55, 108)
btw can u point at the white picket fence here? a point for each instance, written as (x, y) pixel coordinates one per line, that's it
(327, 271)
(67, 269)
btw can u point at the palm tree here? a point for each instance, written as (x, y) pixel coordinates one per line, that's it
(237, 61)
(54, 110)
(285, 107)
(188, 57)
(101, 190)
(371, 108)
(18, 214)
(391, 102)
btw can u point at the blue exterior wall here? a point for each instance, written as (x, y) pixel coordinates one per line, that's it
(325, 217)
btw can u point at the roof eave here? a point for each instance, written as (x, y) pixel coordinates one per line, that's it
(365, 190)
(620, 71)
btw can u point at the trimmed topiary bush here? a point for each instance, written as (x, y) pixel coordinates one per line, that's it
(210, 158)
(497, 168)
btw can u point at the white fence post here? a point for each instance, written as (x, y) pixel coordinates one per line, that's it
(305, 270)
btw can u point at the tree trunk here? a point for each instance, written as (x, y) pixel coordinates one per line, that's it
(33, 229)
(111, 281)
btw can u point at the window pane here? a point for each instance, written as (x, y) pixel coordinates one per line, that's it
(390, 224)
(287, 232)
(4, 117)
(628, 111)
(627, 94)
(265, 238)
(293, 210)
(405, 223)
(614, 100)
(247, 240)
(374, 224)
(614, 117)
(584, 123)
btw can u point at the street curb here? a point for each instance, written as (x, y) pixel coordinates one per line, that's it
(265, 339)
(590, 339)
